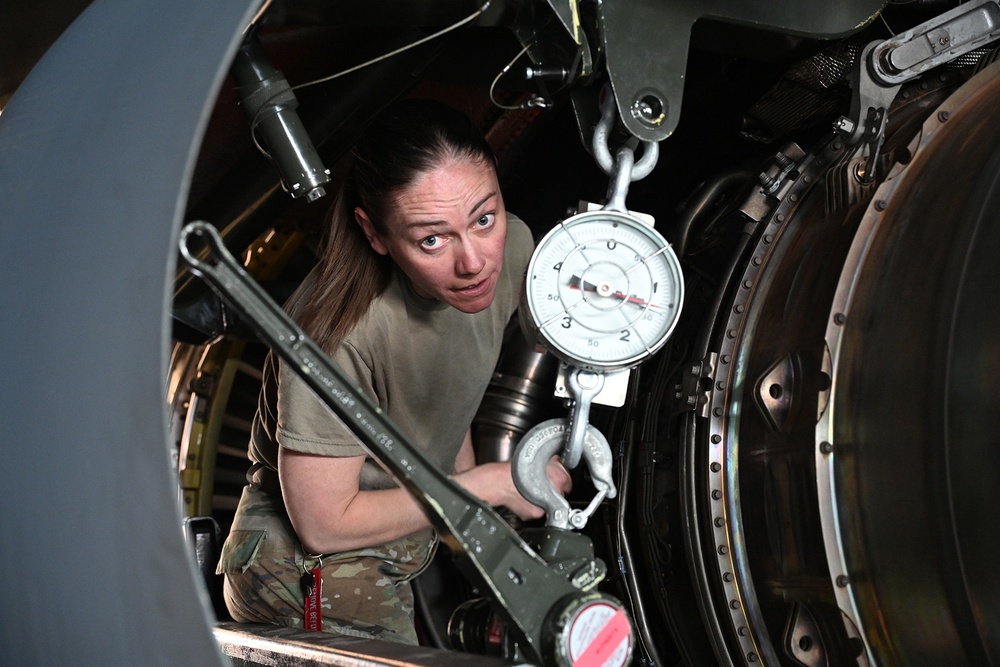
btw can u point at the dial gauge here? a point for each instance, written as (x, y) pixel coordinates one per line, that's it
(603, 291)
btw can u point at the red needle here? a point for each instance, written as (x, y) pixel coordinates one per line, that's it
(637, 301)
(577, 283)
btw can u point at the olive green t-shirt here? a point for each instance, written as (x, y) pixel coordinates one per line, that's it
(423, 362)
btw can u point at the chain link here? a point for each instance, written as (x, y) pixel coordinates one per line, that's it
(623, 168)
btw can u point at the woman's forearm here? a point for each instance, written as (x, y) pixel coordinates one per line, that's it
(330, 514)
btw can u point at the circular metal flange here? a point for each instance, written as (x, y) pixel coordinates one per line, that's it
(836, 454)
(729, 562)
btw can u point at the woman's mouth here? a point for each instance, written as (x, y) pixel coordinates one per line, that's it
(476, 290)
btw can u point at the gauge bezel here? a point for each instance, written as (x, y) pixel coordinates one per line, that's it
(530, 311)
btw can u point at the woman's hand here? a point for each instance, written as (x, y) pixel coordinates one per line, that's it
(494, 484)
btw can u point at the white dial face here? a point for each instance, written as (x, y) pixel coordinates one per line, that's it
(604, 290)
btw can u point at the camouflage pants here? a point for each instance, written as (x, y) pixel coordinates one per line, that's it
(366, 592)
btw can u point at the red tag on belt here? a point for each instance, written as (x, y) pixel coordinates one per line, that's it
(312, 589)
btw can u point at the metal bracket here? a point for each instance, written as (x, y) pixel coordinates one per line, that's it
(869, 112)
(694, 393)
(775, 182)
(645, 44)
(934, 42)
(884, 66)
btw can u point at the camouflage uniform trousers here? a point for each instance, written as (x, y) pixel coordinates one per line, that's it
(365, 593)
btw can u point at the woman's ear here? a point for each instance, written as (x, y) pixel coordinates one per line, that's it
(374, 238)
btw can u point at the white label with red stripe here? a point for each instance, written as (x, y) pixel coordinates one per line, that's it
(600, 636)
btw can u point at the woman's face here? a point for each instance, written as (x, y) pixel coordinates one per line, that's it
(446, 231)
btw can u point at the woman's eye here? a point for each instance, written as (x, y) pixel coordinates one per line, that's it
(430, 242)
(486, 219)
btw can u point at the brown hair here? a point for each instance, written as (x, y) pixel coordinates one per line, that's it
(404, 142)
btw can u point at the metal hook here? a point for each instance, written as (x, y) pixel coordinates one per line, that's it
(584, 386)
(531, 458)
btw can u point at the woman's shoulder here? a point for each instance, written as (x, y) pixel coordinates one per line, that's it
(384, 314)
(520, 243)
(517, 229)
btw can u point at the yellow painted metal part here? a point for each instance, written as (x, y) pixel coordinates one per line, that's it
(212, 383)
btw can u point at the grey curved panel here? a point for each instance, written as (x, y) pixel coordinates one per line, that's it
(96, 152)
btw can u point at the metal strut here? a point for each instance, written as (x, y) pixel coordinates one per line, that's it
(884, 66)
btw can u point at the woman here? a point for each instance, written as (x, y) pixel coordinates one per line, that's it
(420, 278)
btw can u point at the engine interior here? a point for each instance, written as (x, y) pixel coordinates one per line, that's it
(804, 470)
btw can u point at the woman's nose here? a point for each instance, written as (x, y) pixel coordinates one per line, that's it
(470, 259)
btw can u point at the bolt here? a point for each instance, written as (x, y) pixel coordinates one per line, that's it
(826, 447)
(716, 495)
(716, 467)
(844, 124)
(840, 318)
(719, 522)
(880, 205)
(943, 116)
(649, 109)
(717, 412)
(842, 581)
(315, 193)
(716, 439)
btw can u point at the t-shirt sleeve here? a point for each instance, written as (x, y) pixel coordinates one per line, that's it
(522, 244)
(305, 423)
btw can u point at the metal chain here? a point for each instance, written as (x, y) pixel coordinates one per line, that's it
(599, 143)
